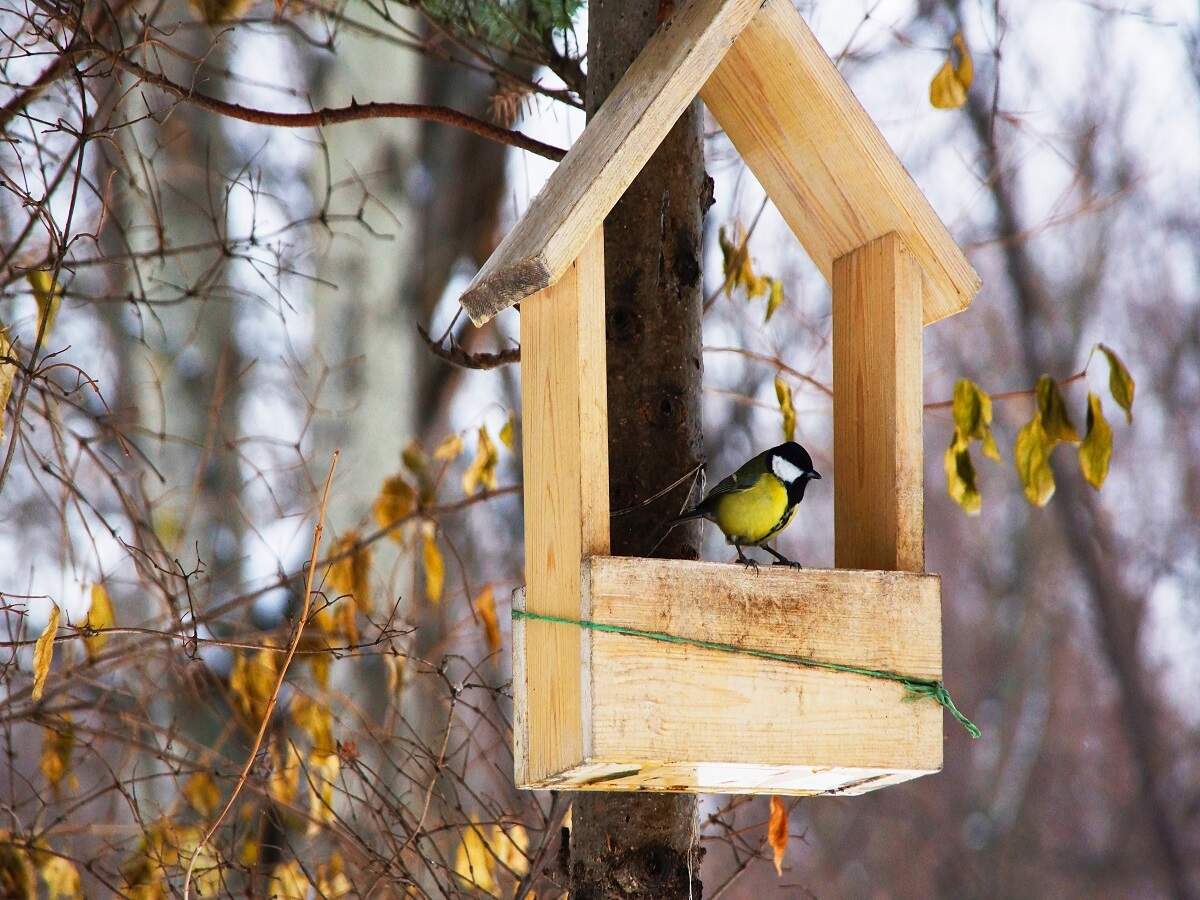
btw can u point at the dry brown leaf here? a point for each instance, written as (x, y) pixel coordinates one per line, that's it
(43, 652)
(777, 832)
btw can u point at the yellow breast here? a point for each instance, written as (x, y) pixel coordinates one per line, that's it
(755, 515)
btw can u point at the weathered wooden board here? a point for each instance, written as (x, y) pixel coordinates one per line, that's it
(660, 716)
(821, 158)
(618, 140)
(566, 502)
(878, 489)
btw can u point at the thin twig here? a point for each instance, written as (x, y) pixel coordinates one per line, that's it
(262, 728)
(457, 356)
(339, 114)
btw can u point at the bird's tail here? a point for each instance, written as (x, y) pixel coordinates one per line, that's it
(694, 513)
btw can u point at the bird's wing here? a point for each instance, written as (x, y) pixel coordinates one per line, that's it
(741, 480)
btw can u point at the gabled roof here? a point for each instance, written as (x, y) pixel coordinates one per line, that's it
(791, 116)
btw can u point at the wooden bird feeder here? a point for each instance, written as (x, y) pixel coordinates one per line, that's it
(597, 710)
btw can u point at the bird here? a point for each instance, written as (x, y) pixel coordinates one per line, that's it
(759, 500)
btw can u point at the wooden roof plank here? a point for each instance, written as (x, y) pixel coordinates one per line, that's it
(821, 158)
(617, 142)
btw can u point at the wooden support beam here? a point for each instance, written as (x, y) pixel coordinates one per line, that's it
(663, 716)
(824, 163)
(564, 442)
(612, 150)
(878, 496)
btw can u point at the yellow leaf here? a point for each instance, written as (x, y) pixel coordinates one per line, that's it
(99, 617)
(973, 417)
(1031, 453)
(216, 12)
(48, 296)
(396, 501)
(783, 392)
(43, 652)
(508, 434)
(252, 680)
(435, 567)
(1096, 449)
(57, 745)
(777, 832)
(351, 574)
(17, 878)
(315, 720)
(949, 87)
(1053, 412)
(449, 449)
(8, 371)
(202, 793)
(482, 470)
(485, 606)
(62, 879)
(416, 461)
(510, 846)
(285, 772)
(394, 665)
(473, 863)
(331, 879)
(248, 853)
(730, 258)
(323, 771)
(960, 478)
(775, 298)
(288, 882)
(1120, 382)
(320, 664)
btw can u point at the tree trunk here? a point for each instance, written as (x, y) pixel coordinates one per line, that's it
(645, 845)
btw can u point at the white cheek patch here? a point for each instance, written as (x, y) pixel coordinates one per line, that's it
(785, 470)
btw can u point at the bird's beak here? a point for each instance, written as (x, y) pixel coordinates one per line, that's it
(813, 473)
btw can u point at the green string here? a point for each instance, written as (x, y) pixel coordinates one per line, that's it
(916, 688)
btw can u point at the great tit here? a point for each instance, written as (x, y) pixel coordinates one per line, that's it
(759, 500)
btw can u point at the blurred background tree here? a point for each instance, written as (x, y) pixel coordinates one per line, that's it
(232, 236)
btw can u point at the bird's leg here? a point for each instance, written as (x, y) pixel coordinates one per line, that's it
(780, 559)
(744, 559)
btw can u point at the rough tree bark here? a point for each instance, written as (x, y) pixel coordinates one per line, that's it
(645, 845)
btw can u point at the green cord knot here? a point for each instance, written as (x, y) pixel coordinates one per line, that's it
(916, 688)
(936, 690)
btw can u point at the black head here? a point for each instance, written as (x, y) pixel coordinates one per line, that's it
(791, 464)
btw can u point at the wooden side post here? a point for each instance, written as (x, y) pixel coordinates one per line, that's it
(877, 408)
(565, 447)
